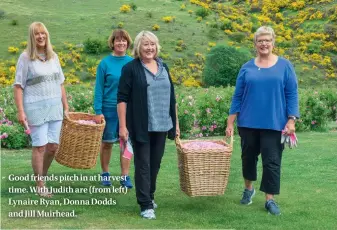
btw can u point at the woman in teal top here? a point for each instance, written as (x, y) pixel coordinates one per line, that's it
(105, 101)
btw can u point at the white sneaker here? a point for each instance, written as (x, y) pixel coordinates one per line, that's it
(154, 205)
(148, 214)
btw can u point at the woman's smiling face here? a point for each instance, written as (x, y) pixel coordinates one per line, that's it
(148, 49)
(264, 45)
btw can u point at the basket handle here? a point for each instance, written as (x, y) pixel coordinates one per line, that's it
(177, 140)
(66, 115)
(231, 140)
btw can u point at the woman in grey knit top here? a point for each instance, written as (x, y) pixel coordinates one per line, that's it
(40, 99)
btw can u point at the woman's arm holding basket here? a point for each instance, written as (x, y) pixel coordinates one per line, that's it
(64, 100)
(124, 90)
(236, 103)
(99, 90)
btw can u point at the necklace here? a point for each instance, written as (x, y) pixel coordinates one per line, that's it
(42, 57)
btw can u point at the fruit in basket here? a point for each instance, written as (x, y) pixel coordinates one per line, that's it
(86, 122)
(203, 145)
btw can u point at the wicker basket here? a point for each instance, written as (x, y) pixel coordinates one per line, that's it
(204, 172)
(79, 143)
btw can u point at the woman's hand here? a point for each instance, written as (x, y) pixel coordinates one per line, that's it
(22, 117)
(177, 130)
(230, 130)
(123, 133)
(99, 118)
(290, 126)
(65, 111)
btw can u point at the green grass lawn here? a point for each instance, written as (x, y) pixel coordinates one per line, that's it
(307, 201)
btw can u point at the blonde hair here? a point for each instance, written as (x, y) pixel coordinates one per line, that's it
(264, 30)
(31, 43)
(119, 33)
(138, 40)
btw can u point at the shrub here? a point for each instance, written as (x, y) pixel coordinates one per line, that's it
(222, 65)
(133, 6)
(155, 27)
(13, 50)
(238, 36)
(23, 44)
(202, 12)
(202, 112)
(93, 46)
(78, 100)
(213, 34)
(16, 137)
(168, 19)
(226, 25)
(314, 47)
(186, 113)
(214, 25)
(120, 25)
(2, 14)
(14, 22)
(149, 14)
(329, 97)
(125, 8)
(331, 30)
(314, 114)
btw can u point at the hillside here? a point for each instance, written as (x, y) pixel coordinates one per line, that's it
(306, 32)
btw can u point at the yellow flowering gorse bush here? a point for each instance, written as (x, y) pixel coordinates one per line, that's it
(125, 8)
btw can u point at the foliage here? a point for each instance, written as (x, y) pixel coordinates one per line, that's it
(213, 34)
(14, 137)
(222, 65)
(93, 46)
(13, 49)
(202, 112)
(180, 46)
(125, 9)
(149, 14)
(155, 27)
(2, 14)
(237, 36)
(133, 6)
(314, 46)
(168, 19)
(120, 25)
(14, 22)
(331, 30)
(202, 12)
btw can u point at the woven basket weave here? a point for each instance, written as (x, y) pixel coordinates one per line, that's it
(79, 143)
(204, 172)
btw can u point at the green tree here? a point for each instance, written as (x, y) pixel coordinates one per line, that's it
(223, 64)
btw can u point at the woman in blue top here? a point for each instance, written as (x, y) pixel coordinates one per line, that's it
(265, 102)
(105, 101)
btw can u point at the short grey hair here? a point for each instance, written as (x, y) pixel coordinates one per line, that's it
(264, 30)
(138, 41)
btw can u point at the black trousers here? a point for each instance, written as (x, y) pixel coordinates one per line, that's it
(268, 143)
(147, 159)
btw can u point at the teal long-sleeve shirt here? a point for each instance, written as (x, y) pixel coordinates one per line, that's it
(265, 97)
(107, 81)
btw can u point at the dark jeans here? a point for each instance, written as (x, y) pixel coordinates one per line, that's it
(268, 143)
(147, 159)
